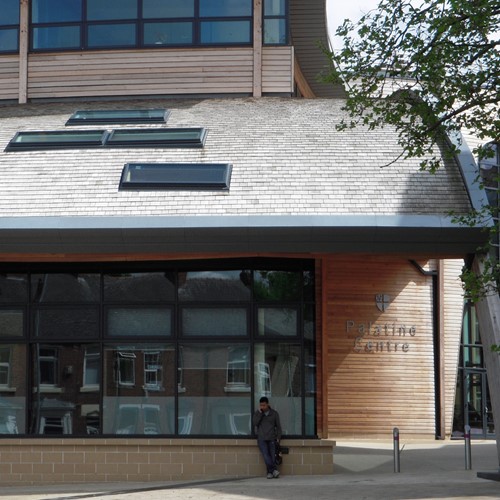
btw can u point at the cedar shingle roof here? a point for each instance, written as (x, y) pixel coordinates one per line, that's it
(298, 185)
(287, 159)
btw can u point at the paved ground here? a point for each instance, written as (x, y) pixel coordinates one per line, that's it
(364, 470)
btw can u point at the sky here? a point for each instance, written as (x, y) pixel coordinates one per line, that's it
(338, 10)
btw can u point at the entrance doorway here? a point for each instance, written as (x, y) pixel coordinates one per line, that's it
(474, 398)
(477, 404)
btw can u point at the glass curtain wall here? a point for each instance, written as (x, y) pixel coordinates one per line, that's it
(158, 350)
(94, 24)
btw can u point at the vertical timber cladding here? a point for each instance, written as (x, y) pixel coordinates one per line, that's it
(380, 347)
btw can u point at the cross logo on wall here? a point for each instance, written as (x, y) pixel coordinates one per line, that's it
(382, 301)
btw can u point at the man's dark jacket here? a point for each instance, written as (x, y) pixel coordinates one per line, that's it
(267, 425)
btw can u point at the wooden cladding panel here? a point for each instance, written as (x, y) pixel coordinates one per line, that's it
(277, 69)
(385, 379)
(9, 77)
(453, 306)
(195, 71)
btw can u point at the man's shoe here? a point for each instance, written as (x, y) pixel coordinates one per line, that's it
(269, 475)
(276, 473)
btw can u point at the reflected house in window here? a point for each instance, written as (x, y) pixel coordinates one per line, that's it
(238, 370)
(54, 416)
(153, 370)
(125, 368)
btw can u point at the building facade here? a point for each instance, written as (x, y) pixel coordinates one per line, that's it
(181, 233)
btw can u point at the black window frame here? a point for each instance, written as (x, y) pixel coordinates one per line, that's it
(140, 22)
(12, 26)
(177, 269)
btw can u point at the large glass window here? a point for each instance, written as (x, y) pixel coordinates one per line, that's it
(66, 389)
(94, 24)
(13, 389)
(278, 376)
(139, 382)
(9, 26)
(207, 407)
(275, 22)
(157, 348)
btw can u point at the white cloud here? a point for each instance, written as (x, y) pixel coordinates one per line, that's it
(338, 10)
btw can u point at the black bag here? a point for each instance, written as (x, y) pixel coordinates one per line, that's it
(280, 451)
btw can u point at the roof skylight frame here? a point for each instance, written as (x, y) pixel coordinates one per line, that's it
(118, 116)
(57, 139)
(117, 138)
(176, 176)
(193, 137)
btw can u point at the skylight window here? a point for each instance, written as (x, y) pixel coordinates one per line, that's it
(132, 138)
(196, 176)
(164, 137)
(60, 139)
(95, 117)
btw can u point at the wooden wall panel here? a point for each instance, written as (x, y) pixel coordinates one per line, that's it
(277, 70)
(9, 77)
(453, 306)
(386, 380)
(145, 72)
(148, 72)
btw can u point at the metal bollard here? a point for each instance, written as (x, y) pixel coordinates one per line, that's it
(395, 436)
(468, 455)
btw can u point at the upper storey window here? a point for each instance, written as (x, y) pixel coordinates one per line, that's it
(9, 26)
(97, 24)
(275, 22)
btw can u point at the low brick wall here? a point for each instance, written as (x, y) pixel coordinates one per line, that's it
(42, 461)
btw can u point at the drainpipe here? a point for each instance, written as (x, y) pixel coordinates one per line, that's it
(436, 331)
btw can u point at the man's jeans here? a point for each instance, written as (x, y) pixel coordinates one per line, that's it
(268, 450)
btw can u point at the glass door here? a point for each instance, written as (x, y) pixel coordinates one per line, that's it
(477, 406)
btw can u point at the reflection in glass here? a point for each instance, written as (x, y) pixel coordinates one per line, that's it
(277, 375)
(274, 7)
(65, 287)
(11, 322)
(139, 322)
(64, 402)
(274, 31)
(225, 32)
(310, 388)
(214, 286)
(277, 285)
(139, 287)
(111, 35)
(97, 10)
(66, 322)
(10, 12)
(225, 8)
(168, 33)
(155, 9)
(13, 288)
(281, 321)
(8, 40)
(60, 37)
(139, 381)
(210, 405)
(56, 11)
(213, 322)
(12, 389)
